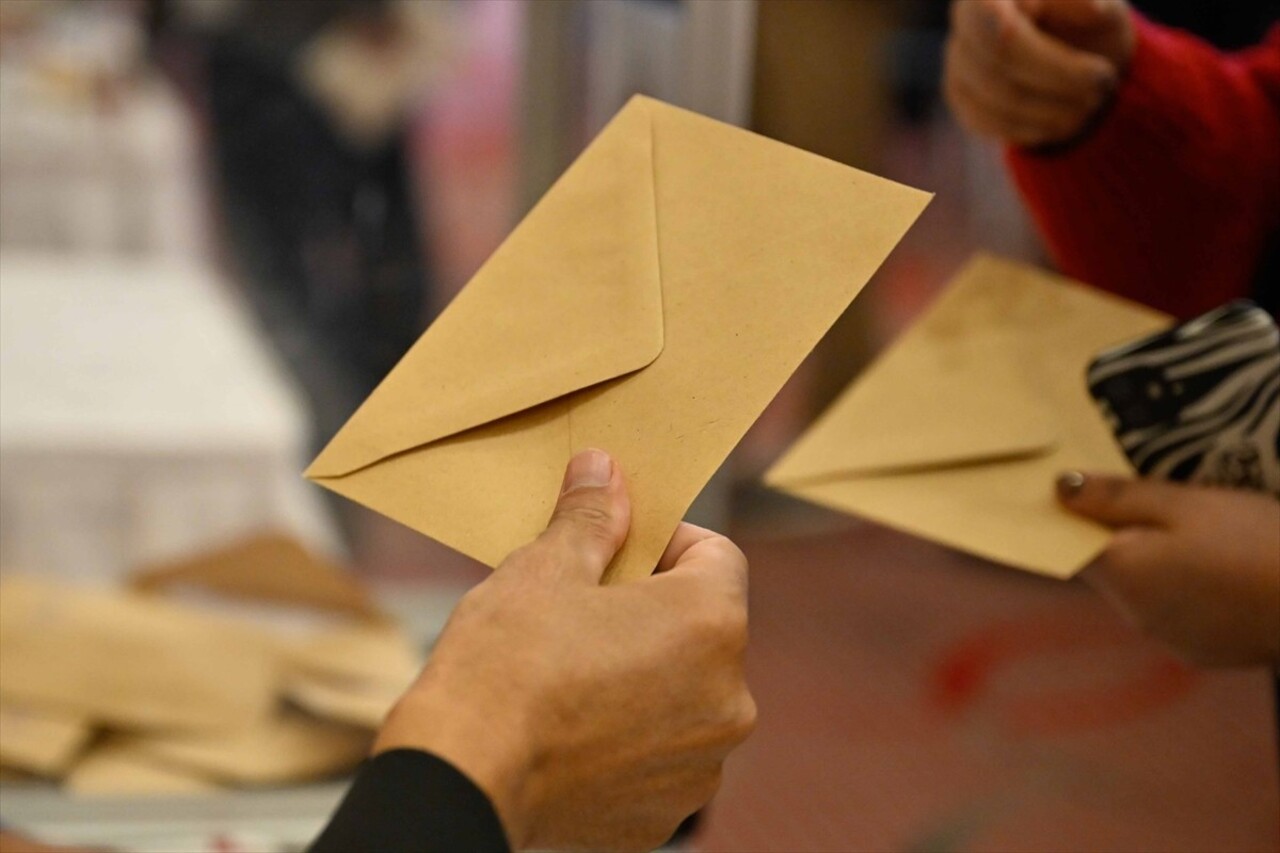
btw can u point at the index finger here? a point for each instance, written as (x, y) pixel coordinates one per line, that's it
(698, 554)
(1122, 502)
(686, 536)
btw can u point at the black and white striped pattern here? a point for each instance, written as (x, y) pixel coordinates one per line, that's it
(1201, 402)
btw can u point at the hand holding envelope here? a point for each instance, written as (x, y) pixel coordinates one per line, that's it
(651, 304)
(957, 432)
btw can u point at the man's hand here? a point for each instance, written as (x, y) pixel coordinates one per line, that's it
(1034, 72)
(592, 716)
(1196, 567)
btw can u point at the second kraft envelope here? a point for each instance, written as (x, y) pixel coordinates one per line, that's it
(957, 431)
(651, 305)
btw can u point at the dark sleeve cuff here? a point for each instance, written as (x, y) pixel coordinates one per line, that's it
(411, 801)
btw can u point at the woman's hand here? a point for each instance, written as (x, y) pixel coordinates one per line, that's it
(1034, 72)
(1196, 567)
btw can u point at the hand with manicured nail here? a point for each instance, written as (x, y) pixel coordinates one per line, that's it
(592, 716)
(1034, 72)
(1196, 567)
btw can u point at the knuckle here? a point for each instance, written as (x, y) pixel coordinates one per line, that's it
(744, 718)
(585, 518)
(534, 561)
(707, 787)
(728, 551)
(580, 532)
(727, 554)
(722, 625)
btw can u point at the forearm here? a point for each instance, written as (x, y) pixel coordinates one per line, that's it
(1171, 196)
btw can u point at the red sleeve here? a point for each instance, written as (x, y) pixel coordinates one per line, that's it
(1172, 198)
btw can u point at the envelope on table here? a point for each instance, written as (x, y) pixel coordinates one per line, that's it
(956, 433)
(286, 747)
(271, 568)
(115, 768)
(38, 740)
(131, 661)
(651, 304)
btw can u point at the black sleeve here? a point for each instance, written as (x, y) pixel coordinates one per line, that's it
(411, 801)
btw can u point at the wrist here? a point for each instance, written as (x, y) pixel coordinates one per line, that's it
(487, 744)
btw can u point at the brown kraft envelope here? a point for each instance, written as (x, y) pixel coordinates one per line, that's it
(269, 567)
(957, 431)
(131, 661)
(356, 703)
(41, 741)
(115, 769)
(286, 747)
(651, 305)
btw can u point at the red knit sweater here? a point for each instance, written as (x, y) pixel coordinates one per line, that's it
(1172, 198)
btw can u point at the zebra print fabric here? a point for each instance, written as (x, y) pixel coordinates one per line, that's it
(1199, 403)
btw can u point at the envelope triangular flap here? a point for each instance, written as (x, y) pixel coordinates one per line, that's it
(952, 391)
(1034, 332)
(761, 247)
(571, 299)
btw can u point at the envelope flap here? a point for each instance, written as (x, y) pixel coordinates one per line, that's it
(571, 299)
(1017, 338)
(952, 391)
(271, 568)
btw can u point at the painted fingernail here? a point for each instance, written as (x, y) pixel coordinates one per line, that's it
(589, 469)
(1070, 483)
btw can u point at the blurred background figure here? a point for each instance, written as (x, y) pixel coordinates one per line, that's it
(308, 108)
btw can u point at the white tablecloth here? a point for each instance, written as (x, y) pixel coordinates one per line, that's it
(87, 177)
(140, 417)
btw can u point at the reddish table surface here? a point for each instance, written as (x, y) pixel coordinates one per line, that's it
(912, 698)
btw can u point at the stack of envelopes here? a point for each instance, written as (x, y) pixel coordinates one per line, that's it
(258, 664)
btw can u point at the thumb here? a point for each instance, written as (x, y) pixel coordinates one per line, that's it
(1117, 501)
(591, 518)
